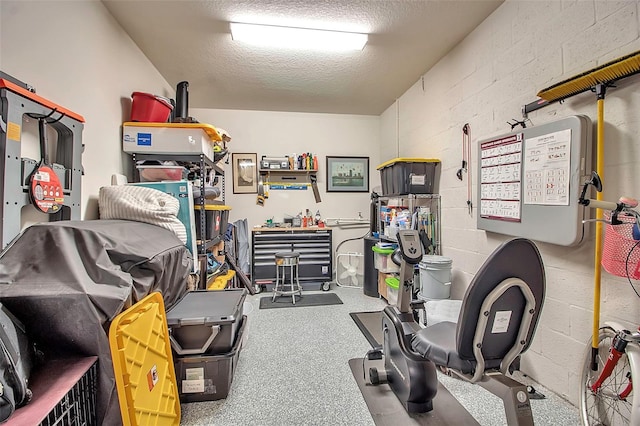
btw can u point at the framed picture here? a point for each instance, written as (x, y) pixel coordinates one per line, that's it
(245, 173)
(347, 174)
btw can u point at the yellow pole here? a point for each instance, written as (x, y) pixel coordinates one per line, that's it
(599, 196)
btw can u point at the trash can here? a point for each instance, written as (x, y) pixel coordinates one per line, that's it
(370, 286)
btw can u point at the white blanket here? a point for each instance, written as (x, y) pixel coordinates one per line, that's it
(142, 205)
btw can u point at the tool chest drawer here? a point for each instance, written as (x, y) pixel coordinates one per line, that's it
(313, 244)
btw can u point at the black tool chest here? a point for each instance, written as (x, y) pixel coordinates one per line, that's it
(313, 244)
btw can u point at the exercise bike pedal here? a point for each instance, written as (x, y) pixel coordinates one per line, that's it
(373, 366)
(377, 377)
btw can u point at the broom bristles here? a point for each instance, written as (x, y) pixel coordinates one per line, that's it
(604, 74)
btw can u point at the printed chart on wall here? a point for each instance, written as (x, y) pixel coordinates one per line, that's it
(500, 178)
(546, 169)
(528, 181)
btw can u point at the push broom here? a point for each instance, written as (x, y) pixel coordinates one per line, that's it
(596, 80)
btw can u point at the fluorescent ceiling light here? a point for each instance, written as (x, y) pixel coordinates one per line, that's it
(301, 38)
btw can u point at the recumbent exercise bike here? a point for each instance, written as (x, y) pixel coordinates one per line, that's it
(496, 324)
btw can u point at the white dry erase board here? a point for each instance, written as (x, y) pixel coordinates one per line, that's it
(529, 181)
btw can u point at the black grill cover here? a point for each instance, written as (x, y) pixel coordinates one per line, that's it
(67, 280)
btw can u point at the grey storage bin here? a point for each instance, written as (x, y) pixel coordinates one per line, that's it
(205, 322)
(208, 377)
(402, 176)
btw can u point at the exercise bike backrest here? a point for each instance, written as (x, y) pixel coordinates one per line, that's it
(517, 258)
(498, 317)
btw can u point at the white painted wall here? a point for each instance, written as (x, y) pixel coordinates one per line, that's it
(276, 134)
(521, 48)
(76, 55)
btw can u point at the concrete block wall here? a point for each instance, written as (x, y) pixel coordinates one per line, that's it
(523, 47)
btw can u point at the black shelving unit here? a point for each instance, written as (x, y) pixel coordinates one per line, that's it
(412, 203)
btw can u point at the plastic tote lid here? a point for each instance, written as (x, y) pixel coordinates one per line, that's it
(143, 365)
(392, 282)
(435, 260)
(212, 207)
(407, 160)
(382, 250)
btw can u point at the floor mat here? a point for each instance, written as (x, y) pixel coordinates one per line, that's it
(304, 300)
(387, 410)
(370, 324)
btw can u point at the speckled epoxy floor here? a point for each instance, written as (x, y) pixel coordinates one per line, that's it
(293, 370)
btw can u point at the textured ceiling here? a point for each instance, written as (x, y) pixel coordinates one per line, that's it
(190, 40)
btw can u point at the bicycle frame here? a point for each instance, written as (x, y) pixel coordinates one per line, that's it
(633, 353)
(613, 383)
(632, 350)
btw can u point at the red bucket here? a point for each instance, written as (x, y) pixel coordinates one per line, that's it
(150, 108)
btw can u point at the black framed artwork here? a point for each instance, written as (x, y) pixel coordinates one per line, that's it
(347, 174)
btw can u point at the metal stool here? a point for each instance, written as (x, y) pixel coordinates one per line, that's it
(291, 260)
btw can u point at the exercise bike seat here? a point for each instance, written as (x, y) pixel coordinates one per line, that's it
(498, 317)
